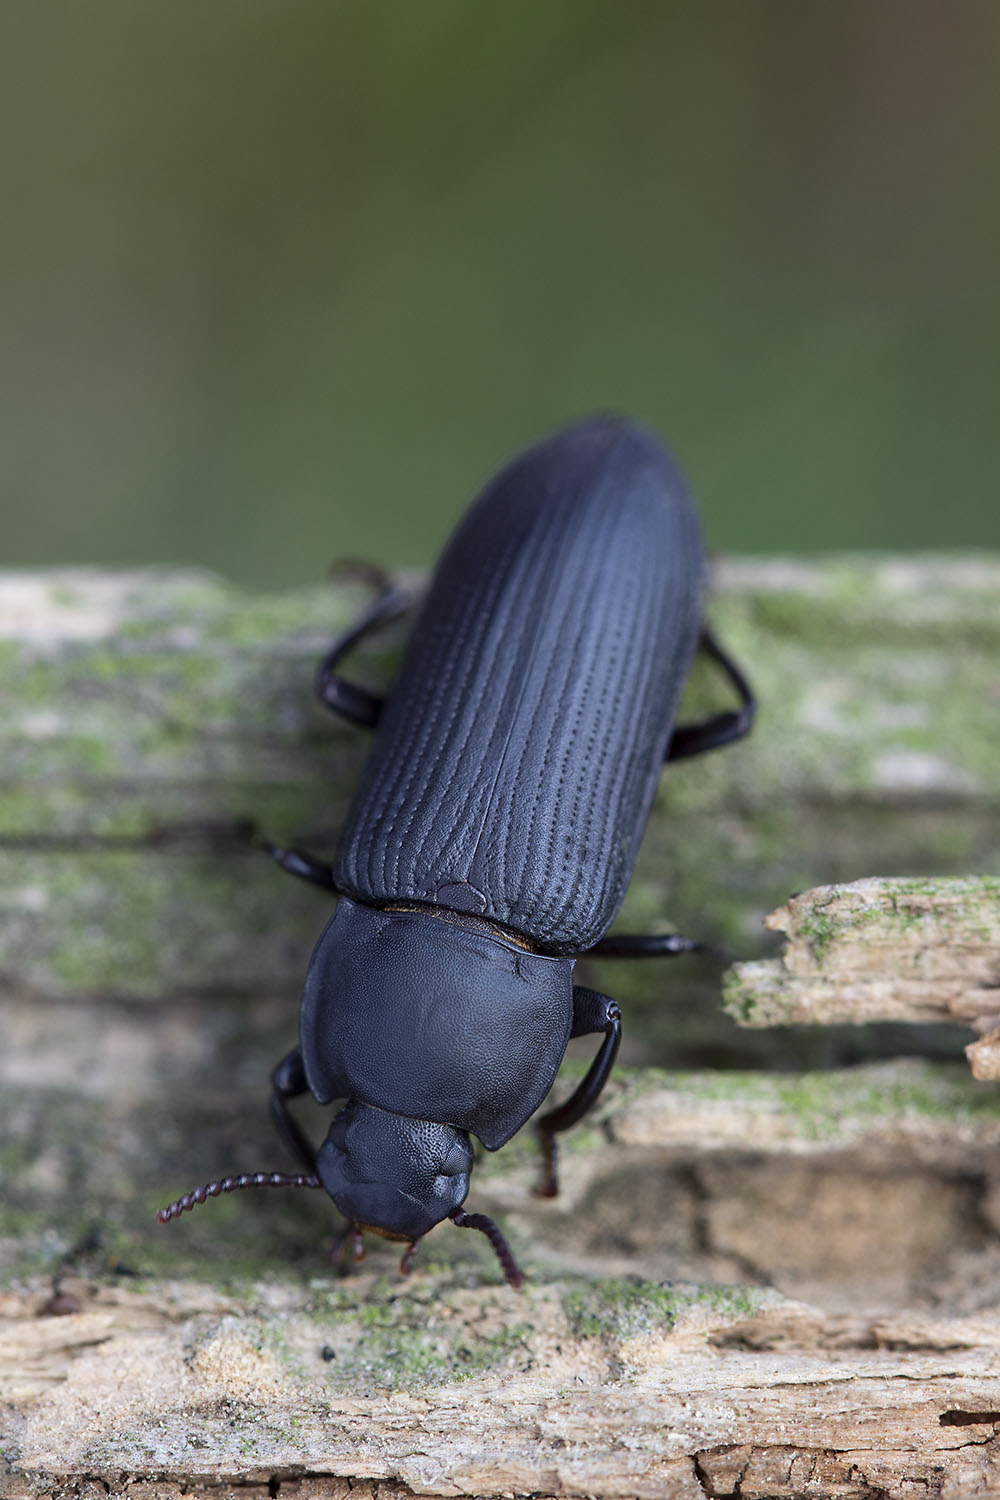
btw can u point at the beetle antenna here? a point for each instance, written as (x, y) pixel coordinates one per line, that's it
(232, 1185)
(511, 1269)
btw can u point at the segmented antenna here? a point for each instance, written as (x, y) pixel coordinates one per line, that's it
(232, 1185)
(511, 1269)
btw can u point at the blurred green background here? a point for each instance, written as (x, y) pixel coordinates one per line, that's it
(285, 281)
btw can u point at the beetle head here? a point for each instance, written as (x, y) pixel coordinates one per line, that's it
(393, 1174)
(385, 1172)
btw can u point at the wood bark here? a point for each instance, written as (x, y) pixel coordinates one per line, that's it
(770, 1273)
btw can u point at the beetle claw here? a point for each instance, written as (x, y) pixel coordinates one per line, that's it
(406, 1264)
(354, 1234)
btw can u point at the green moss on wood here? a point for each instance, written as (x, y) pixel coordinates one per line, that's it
(192, 702)
(877, 949)
(397, 1341)
(618, 1309)
(818, 931)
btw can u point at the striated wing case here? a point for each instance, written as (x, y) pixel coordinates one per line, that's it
(514, 765)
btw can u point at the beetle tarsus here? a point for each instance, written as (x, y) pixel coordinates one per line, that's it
(353, 1236)
(360, 570)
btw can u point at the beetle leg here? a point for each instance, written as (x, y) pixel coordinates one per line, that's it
(288, 1081)
(720, 729)
(354, 703)
(642, 945)
(591, 1012)
(298, 862)
(406, 1264)
(352, 1235)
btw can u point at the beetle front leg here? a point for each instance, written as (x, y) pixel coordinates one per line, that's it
(288, 1081)
(354, 703)
(592, 1012)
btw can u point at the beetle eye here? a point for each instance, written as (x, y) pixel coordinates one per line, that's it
(458, 1160)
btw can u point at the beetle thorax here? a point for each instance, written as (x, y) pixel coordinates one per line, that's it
(433, 1020)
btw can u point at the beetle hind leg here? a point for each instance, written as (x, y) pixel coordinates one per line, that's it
(351, 702)
(719, 729)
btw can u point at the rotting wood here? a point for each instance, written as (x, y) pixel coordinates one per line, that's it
(984, 1057)
(148, 716)
(594, 1380)
(621, 1389)
(881, 950)
(152, 959)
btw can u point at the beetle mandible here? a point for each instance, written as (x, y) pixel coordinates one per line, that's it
(494, 831)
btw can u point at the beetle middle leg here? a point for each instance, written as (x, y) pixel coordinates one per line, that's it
(592, 1012)
(642, 945)
(719, 729)
(354, 703)
(298, 862)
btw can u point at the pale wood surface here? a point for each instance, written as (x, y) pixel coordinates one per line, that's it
(585, 1392)
(880, 950)
(830, 1236)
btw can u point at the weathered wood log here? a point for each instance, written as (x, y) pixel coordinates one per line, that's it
(832, 1236)
(880, 950)
(984, 1057)
(623, 1389)
(246, 1366)
(147, 717)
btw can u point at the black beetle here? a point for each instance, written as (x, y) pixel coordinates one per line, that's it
(495, 828)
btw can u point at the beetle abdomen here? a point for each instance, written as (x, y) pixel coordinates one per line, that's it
(518, 752)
